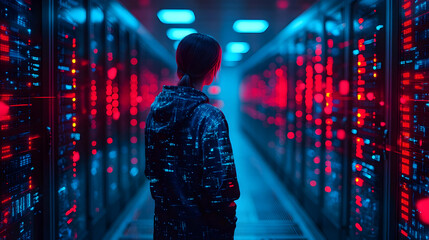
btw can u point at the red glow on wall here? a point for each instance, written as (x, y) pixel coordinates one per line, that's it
(133, 139)
(422, 206)
(4, 110)
(282, 4)
(341, 134)
(134, 160)
(344, 87)
(109, 170)
(133, 61)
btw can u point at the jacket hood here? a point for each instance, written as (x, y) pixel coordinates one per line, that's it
(174, 105)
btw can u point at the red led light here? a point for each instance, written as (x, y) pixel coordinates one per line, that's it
(134, 160)
(109, 170)
(214, 90)
(133, 139)
(358, 226)
(341, 134)
(290, 135)
(109, 140)
(133, 61)
(313, 183)
(112, 72)
(327, 189)
(299, 60)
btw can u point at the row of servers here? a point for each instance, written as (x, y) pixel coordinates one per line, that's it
(76, 83)
(341, 95)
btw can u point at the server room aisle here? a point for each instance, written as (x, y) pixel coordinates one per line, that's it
(265, 209)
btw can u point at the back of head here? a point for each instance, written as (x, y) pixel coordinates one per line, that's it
(197, 55)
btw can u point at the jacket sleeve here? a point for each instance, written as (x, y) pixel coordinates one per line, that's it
(219, 178)
(149, 148)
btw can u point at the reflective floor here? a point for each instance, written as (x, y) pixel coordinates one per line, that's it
(265, 210)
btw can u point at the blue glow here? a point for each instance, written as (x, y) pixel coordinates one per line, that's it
(237, 47)
(97, 15)
(179, 33)
(176, 44)
(250, 26)
(134, 171)
(232, 57)
(125, 16)
(176, 16)
(355, 52)
(77, 14)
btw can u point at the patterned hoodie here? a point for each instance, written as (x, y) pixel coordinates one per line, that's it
(190, 165)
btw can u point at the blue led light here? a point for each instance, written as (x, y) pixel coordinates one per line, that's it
(176, 16)
(77, 14)
(134, 171)
(97, 15)
(250, 26)
(237, 47)
(179, 33)
(355, 52)
(232, 57)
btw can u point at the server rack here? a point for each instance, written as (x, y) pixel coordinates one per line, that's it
(52, 117)
(379, 163)
(22, 192)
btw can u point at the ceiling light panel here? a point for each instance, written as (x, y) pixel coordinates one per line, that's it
(179, 33)
(232, 57)
(176, 16)
(238, 47)
(250, 26)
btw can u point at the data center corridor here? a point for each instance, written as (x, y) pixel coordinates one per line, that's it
(265, 209)
(326, 102)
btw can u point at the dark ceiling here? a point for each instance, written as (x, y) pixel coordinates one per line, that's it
(216, 17)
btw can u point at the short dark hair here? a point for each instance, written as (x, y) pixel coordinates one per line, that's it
(197, 55)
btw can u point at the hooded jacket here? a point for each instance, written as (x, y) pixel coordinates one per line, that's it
(190, 165)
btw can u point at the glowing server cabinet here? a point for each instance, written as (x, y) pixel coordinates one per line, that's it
(313, 107)
(70, 171)
(21, 116)
(413, 139)
(369, 119)
(112, 116)
(94, 134)
(335, 124)
(137, 117)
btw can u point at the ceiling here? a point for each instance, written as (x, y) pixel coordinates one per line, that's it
(216, 17)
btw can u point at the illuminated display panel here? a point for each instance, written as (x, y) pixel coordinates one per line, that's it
(414, 107)
(71, 181)
(112, 111)
(313, 102)
(335, 114)
(300, 87)
(368, 122)
(96, 114)
(136, 116)
(20, 121)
